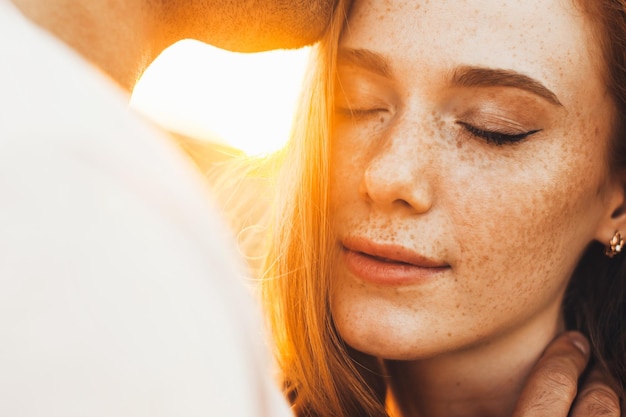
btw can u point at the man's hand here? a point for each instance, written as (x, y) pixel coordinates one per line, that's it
(552, 387)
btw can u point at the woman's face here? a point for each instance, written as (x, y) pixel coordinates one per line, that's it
(468, 171)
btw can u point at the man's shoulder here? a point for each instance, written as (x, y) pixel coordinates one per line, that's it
(116, 275)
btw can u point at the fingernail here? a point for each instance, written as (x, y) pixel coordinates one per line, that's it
(580, 342)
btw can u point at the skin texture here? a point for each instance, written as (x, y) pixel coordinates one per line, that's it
(123, 37)
(505, 224)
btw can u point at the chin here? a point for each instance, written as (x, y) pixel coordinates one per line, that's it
(398, 350)
(386, 340)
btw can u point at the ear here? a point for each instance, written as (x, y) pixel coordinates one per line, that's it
(614, 218)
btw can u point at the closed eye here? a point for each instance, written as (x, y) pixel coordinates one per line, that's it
(495, 137)
(360, 113)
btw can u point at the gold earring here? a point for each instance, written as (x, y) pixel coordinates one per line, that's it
(615, 245)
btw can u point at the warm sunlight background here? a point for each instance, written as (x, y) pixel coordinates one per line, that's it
(244, 100)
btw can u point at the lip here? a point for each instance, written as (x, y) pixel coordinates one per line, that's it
(387, 264)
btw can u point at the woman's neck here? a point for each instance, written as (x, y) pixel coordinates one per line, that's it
(482, 380)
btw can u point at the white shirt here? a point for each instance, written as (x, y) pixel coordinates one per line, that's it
(120, 294)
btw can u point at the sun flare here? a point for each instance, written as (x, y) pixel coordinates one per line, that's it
(246, 101)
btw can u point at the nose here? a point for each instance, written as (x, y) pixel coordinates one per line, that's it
(397, 175)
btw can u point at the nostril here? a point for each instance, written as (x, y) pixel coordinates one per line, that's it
(402, 203)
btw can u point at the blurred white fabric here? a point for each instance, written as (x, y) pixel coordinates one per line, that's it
(120, 294)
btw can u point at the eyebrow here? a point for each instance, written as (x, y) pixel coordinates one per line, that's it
(469, 76)
(365, 59)
(463, 76)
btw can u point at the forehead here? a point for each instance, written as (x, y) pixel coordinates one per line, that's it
(549, 40)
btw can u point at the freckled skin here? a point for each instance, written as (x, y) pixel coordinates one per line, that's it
(511, 221)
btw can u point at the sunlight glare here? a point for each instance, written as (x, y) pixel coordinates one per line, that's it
(244, 100)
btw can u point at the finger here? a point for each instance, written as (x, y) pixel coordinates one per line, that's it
(552, 384)
(596, 397)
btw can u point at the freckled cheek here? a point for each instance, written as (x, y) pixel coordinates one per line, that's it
(516, 235)
(528, 243)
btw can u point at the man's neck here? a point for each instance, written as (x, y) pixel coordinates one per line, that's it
(120, 37)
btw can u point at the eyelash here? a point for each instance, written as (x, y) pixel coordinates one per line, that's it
(497, 138)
